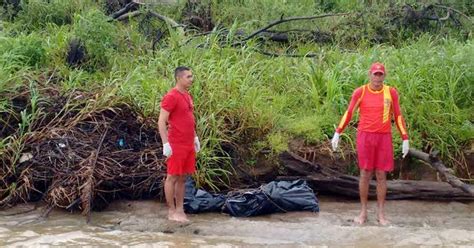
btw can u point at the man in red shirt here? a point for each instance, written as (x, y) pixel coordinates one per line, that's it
(377, 103)
(180, 143)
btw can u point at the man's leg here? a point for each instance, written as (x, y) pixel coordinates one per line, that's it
(364, 180)
(180, 190)
(170, 185)
(381, 193)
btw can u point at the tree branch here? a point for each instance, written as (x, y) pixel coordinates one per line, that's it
(128, 15)
(437, 164)
(309, 55)
(166, 19)
(282, 20)
(453, 9)
(124, 10)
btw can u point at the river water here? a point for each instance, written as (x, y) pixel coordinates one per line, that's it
(143, 224)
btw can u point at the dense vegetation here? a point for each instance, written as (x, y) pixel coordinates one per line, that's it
(245, 98)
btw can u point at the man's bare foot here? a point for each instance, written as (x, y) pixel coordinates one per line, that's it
(361, 219)
(180, 216)
(382, 220)
(171, 215)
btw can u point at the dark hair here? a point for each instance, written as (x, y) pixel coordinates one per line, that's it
(180, 69)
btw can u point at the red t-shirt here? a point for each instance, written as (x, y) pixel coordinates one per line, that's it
(181, 121)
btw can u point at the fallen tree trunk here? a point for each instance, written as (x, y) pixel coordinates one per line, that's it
(396, 189)
(327, 181)
(433, 160)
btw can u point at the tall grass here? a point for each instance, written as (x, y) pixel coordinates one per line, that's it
(36, 14)
(251, 98)
(22, 51)
(258, 102)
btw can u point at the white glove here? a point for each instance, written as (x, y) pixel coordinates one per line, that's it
(335, 141)
(405, 148)
(167, 150)
(197, 145)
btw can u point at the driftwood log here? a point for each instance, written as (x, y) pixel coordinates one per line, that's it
(433, 160)
(328, 181)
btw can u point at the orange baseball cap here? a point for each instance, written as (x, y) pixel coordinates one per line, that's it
(377, 67)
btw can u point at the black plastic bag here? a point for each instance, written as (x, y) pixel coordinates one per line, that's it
(291, 195)
(248, 203)
(276, 196)
(197, 201)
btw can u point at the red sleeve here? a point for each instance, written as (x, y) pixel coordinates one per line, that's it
(355, 101)
(169, 102)
(397, 114)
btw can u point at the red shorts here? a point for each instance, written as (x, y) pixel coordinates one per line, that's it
(375, 151)
(182, 160)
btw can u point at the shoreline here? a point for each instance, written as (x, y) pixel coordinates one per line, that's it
(414, 223)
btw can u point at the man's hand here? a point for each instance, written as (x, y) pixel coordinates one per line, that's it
(405, 148)
(335, 141)
(197, 144)
(167, 150)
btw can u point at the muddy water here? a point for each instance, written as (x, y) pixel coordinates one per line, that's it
(143, 224)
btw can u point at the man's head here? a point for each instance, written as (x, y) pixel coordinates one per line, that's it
(183, 76)
(377, 73)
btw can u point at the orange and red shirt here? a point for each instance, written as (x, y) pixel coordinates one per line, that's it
(376, 109)
(181, 121)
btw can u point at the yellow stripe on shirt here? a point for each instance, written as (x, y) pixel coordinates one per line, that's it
(400, 125)
(387, 102)
(343, 120)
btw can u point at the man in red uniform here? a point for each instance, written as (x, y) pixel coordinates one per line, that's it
(377, 103)
(180, 143)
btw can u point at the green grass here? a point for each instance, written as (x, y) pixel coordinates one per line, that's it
(250, 96)
(242, 97)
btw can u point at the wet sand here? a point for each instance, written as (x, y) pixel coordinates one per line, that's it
(144, 224)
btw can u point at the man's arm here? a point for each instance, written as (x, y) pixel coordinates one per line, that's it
(355, 101)
(397, 114)
(162, 125)
(346, 118)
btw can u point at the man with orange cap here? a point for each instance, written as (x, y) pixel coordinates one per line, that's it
(377, 103)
